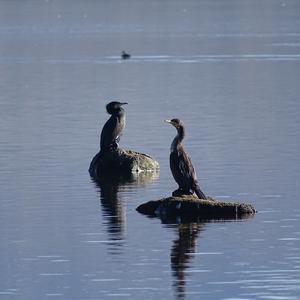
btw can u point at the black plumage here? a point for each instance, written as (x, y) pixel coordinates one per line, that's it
(181, 165)
(113, 128)
(125, 55)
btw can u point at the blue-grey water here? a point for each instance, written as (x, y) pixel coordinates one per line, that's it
(229, 69)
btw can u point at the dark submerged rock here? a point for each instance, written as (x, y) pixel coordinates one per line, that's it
(121, 161)
(192, 208)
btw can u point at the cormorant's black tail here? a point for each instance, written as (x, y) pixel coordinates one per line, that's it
(198, 192)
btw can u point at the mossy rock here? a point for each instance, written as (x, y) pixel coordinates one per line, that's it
(190, 207)
(121, 161)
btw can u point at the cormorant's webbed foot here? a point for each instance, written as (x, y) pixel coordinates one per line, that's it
(180, 192)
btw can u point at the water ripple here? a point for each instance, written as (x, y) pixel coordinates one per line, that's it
(158, 59)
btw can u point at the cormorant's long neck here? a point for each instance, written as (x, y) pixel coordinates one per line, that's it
(178, 138)
(180, 133)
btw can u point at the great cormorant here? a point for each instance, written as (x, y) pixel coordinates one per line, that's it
(181, 165)
(112, 129)
(125, 55)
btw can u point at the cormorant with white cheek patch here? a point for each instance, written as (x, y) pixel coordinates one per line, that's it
(181, 165)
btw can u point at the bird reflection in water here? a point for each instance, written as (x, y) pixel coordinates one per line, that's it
(184, 246)
(111, 187)
(182, 252)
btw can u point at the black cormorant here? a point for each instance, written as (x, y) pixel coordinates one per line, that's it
(181, 165)
(125, 55)
(112, 129)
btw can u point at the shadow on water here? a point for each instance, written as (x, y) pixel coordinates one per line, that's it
(113, 208)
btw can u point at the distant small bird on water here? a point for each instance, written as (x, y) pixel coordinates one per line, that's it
(114, 126)
(125, 55)
(181, 165)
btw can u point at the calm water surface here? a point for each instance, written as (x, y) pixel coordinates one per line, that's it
(229, 69)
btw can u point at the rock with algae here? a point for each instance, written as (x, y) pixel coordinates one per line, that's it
(122, 161)
(190, 206)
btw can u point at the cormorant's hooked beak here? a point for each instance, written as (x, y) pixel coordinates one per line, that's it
(123, 103)
(173, 123)
(170, 122)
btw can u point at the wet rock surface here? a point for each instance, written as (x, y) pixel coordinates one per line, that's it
(121, 161)
(189, 206)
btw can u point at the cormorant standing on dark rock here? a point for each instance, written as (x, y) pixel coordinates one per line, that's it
(181, 165)
(113, 128)
(125, 55)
